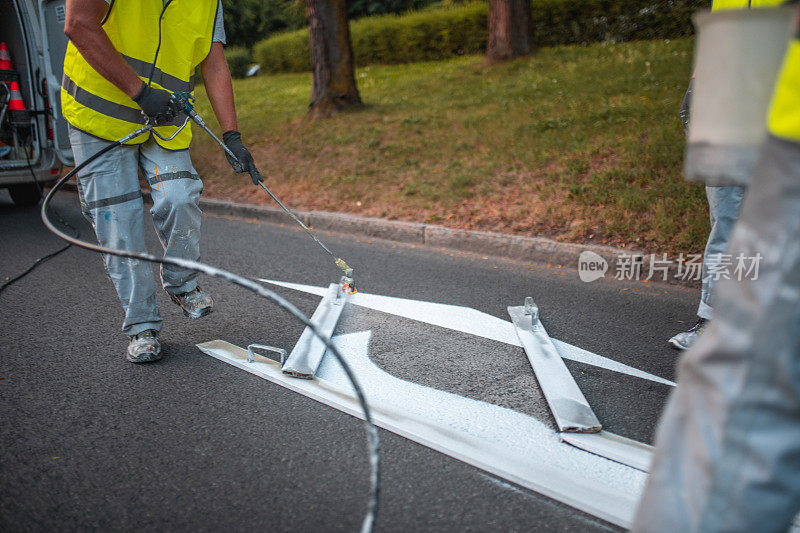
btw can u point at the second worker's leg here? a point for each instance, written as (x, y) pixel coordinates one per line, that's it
(723, 210)
(723, 207)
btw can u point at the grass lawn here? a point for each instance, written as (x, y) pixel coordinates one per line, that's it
(577, 143)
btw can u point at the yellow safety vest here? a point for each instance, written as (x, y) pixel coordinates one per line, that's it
(783, 119)
(718, 5)
(96, 106)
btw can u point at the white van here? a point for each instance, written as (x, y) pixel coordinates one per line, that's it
(35, 144)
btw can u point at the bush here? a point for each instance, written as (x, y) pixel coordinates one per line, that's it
(248, 21)
(286, 52)
(423, 35)
(579, 21)
(433, 34)
(238, 58)
(363, 8)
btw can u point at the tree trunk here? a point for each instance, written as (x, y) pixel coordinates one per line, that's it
(334, 85)
(510, 29)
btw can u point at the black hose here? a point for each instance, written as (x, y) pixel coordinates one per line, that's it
(51, 255)
(372, 431)
(30, 269)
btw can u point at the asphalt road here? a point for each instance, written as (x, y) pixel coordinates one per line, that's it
(90, 441)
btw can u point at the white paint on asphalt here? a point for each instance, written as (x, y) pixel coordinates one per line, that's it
(615, 447)
(504, 442)
(472, 321)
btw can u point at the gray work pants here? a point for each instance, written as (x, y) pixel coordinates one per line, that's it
(728, 445)
(111, 200)
(723, 210)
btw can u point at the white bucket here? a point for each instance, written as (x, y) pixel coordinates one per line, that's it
(738, 54)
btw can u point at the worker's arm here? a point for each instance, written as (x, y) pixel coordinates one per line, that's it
(84, 29)
(219, 87)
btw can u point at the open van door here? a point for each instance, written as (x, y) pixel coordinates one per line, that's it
(52, 14)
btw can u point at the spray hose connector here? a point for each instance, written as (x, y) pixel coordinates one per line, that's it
(186, 100)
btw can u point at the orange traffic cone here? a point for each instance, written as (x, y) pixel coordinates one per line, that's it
(5, 58)
(17, 114)
(7, 72)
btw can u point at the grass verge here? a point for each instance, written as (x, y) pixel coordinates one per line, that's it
(577, 143)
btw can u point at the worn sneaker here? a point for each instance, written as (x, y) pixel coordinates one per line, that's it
(144, 347)
(683, 340)
(195, 304)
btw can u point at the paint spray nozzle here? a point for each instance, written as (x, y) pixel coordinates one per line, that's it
(348, 283)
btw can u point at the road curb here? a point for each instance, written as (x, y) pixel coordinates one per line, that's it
(515, 247)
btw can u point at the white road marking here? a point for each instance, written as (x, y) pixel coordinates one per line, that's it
(615, 447)
(506, 443)
(472, 321)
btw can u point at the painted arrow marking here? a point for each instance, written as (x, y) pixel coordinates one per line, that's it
(472, 321)
(511, 445)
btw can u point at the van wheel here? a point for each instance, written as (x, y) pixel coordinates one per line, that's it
(25, 195)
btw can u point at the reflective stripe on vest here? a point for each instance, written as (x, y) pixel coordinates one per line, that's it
(96, 106)
(783, 119)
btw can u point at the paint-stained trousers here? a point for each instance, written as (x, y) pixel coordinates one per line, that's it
(111, 199)
(723, 210)
(728, 445)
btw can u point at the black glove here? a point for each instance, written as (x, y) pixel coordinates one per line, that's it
(233, 140)
(157, 104)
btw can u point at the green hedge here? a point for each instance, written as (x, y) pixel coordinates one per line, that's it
(424, 35)
(238, 58)
(433, 34)
(582, 21)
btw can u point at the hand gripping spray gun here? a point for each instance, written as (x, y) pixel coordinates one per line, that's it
(186, 101)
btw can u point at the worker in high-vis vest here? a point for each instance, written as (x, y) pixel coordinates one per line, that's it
(124, 60)
(724, 202)
(728, 446)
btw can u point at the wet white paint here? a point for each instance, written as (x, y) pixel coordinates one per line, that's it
(502, 484)
(506, 443)
(615, 447)
(474, 322)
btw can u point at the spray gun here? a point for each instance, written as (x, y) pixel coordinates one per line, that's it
(186, 100)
